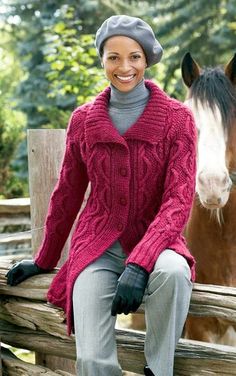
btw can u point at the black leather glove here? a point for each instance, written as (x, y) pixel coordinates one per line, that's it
(130, 289)
(23, 270)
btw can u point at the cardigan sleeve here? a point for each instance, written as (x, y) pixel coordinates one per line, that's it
(177, 199)
(66, 199)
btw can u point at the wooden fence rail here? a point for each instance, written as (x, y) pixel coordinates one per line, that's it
(27, 321)
(15, 211)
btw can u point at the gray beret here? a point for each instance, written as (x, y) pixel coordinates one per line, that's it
(134, 28)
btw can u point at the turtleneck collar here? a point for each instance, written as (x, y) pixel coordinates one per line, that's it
(139, 94)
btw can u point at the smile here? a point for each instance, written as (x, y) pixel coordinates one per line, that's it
(125, 78)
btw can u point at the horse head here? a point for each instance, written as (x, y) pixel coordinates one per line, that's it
(212, 99)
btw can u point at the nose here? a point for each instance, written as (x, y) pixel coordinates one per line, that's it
(125, 65)
(213, 188)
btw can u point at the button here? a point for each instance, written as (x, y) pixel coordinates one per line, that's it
(123, 201)
(120, 227)
(123, 171)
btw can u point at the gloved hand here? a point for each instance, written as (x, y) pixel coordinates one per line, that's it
(23, 270)
(130, 289)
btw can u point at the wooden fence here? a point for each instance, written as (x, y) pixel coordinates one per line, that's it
(27, 321)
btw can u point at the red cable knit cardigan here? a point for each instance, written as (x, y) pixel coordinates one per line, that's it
(142, 187)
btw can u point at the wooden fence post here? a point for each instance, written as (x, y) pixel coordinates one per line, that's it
(45, 152)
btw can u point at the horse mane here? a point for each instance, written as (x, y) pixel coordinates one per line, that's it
(214, 88)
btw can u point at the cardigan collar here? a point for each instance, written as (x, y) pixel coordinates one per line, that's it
(100, 129)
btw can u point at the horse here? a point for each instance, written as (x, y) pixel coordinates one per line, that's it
(211, 229)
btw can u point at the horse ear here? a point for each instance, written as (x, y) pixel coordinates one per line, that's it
(230, 70)
(190, 69)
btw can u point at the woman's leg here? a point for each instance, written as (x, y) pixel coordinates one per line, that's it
(166, 307)
(94, 326)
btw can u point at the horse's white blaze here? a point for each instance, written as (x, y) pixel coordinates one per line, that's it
(212, 184)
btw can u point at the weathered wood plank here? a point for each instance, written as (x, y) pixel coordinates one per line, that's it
(33, 340)
(43, 174)
(10, 220)
(33, 315)
(206, 300)
(15, 205)
(13, 366)
(192, 357)
(15, 239)
(218, 289)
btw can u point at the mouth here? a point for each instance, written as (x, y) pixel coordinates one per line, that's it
(125, 78)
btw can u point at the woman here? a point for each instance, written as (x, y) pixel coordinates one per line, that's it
(137, 147)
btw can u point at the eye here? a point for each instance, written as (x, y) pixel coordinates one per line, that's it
(113, 58)
(136, 57)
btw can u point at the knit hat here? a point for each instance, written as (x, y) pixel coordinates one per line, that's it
(134, 28)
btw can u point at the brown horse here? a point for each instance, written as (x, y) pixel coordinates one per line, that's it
(211, 230)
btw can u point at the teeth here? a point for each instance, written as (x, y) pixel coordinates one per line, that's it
(127, 78)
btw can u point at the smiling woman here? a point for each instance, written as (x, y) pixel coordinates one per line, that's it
(137, 148)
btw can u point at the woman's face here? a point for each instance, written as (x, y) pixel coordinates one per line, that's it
(124, 62)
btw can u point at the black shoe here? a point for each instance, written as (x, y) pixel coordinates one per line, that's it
(147, 371)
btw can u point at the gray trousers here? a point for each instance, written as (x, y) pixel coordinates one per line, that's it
(166, 300)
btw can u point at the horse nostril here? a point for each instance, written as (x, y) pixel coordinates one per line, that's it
(213, 202)
(230, 185)
(225, 178)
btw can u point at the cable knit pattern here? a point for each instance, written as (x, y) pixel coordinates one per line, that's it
(142, 188)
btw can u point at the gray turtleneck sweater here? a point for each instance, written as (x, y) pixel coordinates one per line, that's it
(124, 110)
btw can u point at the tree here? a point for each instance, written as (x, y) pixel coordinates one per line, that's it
(205, 28)
(11, 122)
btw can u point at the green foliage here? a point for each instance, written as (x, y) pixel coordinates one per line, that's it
(73, 61)
(11, 122)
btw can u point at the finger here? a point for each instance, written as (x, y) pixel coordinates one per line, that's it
(124, 305)
(13, 268)
(18, 280)
(14, 277)
(127, 310)
(128, 307)
(115, 305)
(9, 278)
